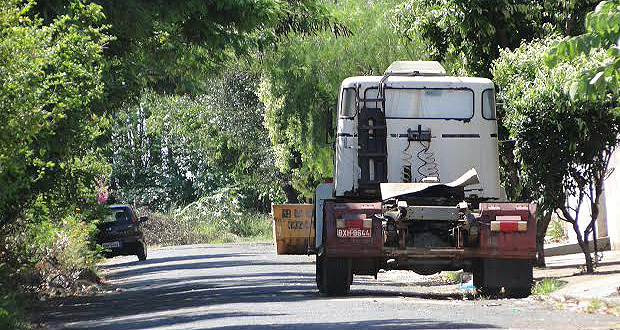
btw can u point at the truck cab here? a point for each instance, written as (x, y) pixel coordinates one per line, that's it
(415, 124)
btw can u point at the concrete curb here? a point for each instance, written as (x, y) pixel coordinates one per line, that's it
(603, 244)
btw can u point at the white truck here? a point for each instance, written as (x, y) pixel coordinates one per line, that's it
(416, 185)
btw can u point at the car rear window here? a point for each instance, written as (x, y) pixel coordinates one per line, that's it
(118, 215)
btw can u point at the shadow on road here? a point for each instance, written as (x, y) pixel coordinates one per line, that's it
(152, 261)
(178, 290)
(366, 325)
(166, 265)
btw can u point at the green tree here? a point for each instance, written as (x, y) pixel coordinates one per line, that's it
(301, 80)
(469, 34)
(173, 47)
(170, 150)
(50, 75)
(602, 32)
(176, 49)
(563, 146)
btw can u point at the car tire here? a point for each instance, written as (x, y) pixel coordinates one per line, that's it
(142, 251)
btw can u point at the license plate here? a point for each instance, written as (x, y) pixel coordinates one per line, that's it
(353, 232)
(111, 244)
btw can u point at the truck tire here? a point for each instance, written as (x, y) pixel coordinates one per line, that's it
(142, 251)
(336, 276)
(319, 274)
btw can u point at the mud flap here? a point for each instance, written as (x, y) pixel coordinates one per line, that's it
(514, 275)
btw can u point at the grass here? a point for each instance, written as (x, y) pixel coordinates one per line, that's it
(250, 227)
(452, 276)
(594, 305)
(547, 285)
(601, 306)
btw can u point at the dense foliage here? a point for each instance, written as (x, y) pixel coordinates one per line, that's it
(563, 146)
(468, 35)
(171, 150)
(302, 77)
(602, 32)
(50, 77)
(47, 86)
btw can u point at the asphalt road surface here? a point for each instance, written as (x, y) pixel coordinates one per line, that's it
(248, 286)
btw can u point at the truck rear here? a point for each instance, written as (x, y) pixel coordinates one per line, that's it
(416, 185)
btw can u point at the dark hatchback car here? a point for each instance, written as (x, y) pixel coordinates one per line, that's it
(120, 234)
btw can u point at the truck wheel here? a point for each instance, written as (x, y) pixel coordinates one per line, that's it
(336, 276)
(142, 251)
(319, 274)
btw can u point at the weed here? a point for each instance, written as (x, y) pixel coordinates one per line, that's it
(212, 219)
(547, 285)
(594, 305)
(452, 276)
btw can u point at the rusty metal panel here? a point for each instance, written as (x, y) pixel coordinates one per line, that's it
(293, 228)
(353, 246)
(508, 244)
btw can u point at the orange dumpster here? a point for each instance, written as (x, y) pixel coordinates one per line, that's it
(293, 228)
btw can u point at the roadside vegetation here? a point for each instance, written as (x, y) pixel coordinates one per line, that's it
(204, 113)
(214, 219)
(547, 285)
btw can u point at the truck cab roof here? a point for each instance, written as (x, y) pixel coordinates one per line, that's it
(419, 81)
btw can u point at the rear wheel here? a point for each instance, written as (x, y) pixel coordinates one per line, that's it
(336, 276)
(319, 274)
(142, 251)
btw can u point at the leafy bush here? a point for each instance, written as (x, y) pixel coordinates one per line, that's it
(49, 256)
(8, 309)
(216, 218)
(166, 229)
(44, 259)
(556, 228)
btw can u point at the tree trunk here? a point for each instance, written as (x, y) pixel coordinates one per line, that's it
(292, 194)
(586, 251)
(502, 37)
(585, 247)
(569, 25)
(541, 230)
(581, 240)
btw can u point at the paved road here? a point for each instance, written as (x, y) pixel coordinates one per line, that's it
(247, 286)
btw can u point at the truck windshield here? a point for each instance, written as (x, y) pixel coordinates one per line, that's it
(429, 103)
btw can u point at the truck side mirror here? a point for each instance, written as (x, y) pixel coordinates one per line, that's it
(143, 219)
